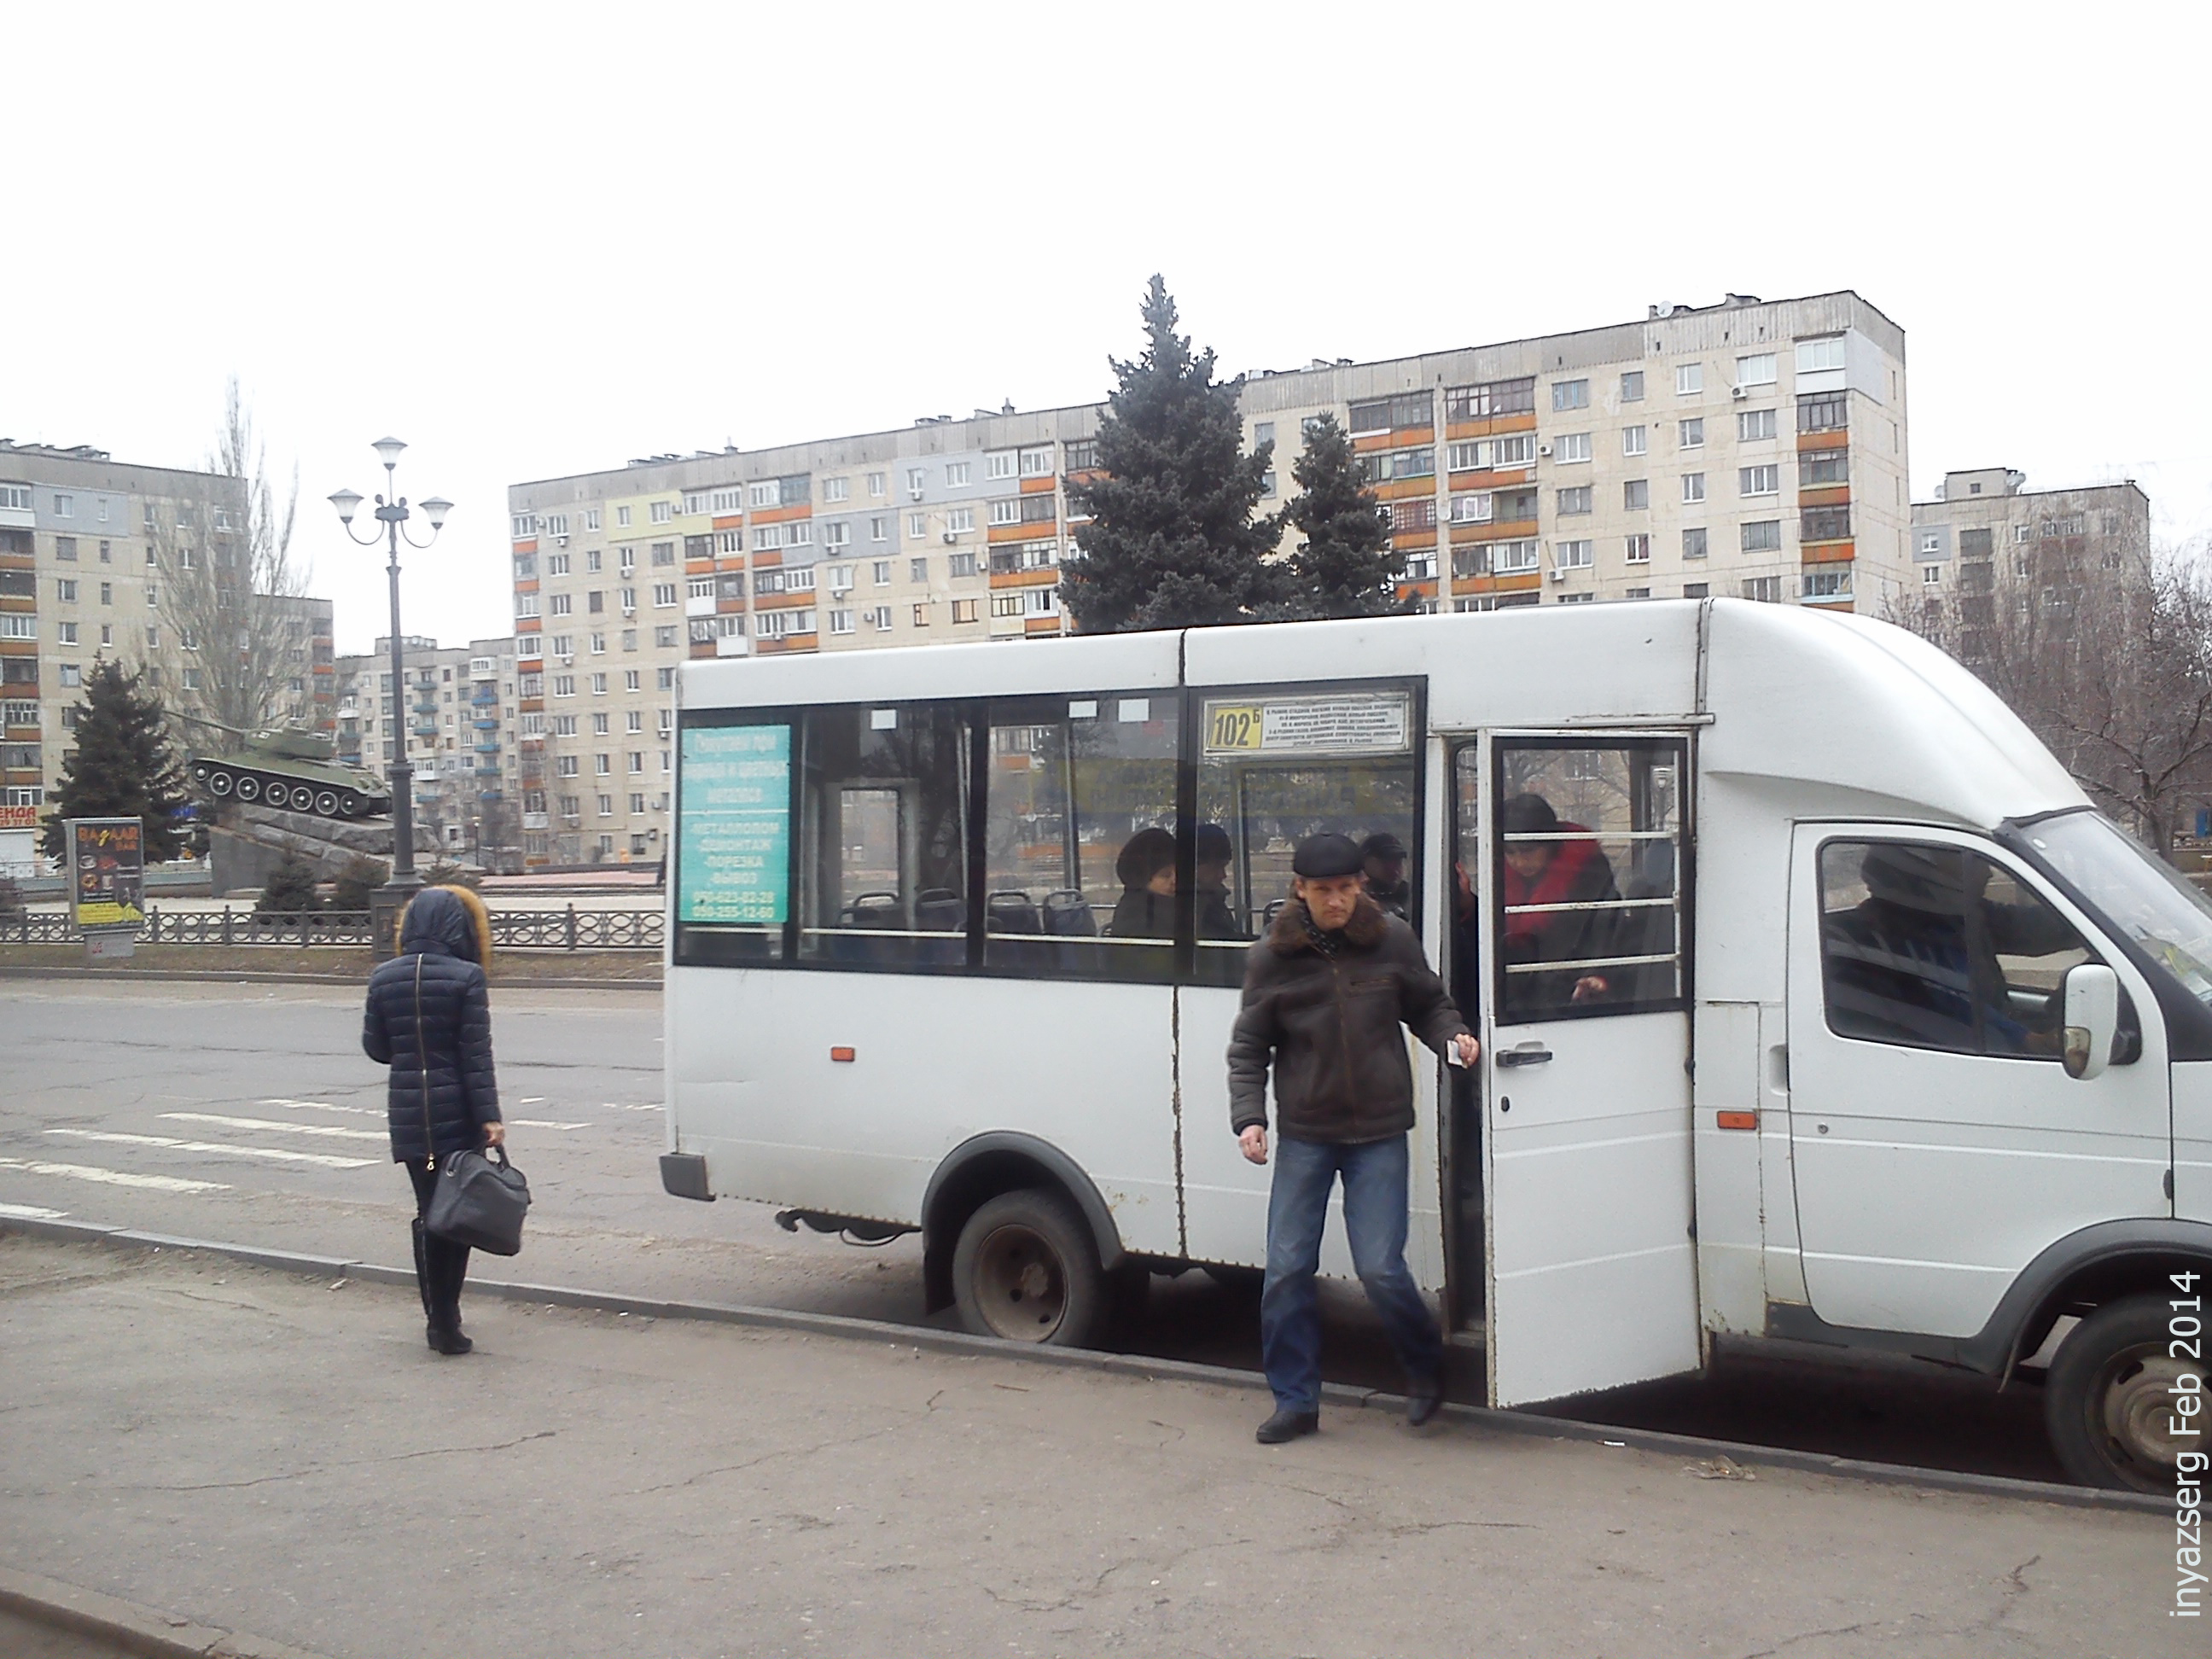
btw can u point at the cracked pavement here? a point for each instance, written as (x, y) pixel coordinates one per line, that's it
(281, 1455)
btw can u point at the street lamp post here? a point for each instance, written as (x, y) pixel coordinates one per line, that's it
(392, 512)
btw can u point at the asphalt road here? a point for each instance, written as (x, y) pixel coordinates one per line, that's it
(250, 1115)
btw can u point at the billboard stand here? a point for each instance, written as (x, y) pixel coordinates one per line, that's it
(107, 884)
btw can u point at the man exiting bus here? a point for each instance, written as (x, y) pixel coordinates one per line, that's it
(1324, 992)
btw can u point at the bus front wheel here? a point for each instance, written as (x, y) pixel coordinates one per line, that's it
(1025, 1269)
(2108, 1400)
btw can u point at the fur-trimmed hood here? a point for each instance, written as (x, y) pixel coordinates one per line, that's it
(1367, 927)
(446, 922)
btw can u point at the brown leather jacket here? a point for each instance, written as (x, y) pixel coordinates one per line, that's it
(1329, 1021)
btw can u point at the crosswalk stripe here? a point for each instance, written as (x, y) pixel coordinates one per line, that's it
(158, 1184)
(278, 1154)
(31, 1212)
(543, 1123)
(327, 1106)
(329, 1130)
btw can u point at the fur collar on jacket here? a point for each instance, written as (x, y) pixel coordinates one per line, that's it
(1367, 927)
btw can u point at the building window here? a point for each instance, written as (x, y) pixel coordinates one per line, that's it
(64, 507)
(1696, 590)
(879, 529)
(1693, 486)
(1819, 356)
(1931, 575)
(1759, 480)
(1570, 394)
(1574, 501)
(65, 550)
(959, 521)
(1400, 413)
(841, 621)
(1636, 495)
(1006, 605)
(1816, 467)
(917, 527)
(1689, 380)
(967, 610)
(1637, 549)
(1000, 464)
(1571, 556)
(1691, 433)
(958, 565)
(1824, 524)
(1476, 508)
(1824, 411)
(1482, 402)
(836, 489)
(1762, 535)
(1758, 369)
(66, 590)
(1693, 544)
(1827, 584)
(1635, 440)
(1571, 446)
(876, 483)
(956, 474)
(65, 632)
(1753, 424)
(1632, 387)
(1765, 589)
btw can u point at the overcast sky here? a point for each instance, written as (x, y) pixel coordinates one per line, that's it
(533, 240)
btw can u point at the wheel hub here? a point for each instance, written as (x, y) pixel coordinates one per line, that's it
(1023, 1290)
(2137, 1394)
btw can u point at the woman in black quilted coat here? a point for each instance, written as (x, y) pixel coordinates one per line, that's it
(429, 1020)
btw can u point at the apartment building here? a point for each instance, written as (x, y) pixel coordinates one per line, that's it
(458, 719)
(1752, 448)
(87, 547)
(1986, 529)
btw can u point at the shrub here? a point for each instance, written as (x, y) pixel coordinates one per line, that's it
(11, 900)
(290, 889)
(360, 878)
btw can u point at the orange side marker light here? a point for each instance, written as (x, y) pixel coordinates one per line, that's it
(841, 1055)
(1739, 1120)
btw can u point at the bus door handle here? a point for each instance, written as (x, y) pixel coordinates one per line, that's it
(1528, 1053)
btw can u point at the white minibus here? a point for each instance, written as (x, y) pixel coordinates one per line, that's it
(1817, 1002)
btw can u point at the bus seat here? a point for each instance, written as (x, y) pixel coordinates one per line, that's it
(939, 910)
(872, 910)
(1011, 911)
(1067, 913)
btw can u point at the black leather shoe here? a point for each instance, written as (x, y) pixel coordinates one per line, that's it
(1423, 1395)
(1286, 1425)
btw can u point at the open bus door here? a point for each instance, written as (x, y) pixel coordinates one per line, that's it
(1579, 883)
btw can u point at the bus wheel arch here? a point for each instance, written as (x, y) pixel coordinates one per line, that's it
(985, 1166)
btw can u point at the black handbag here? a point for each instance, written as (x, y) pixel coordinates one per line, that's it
(475, 1202)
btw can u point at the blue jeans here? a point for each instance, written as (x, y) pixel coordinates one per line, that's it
(1375, 1222)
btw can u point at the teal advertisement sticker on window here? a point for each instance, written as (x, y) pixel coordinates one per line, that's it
(733, 835)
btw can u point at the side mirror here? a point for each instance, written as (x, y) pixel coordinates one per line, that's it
(2091, 993)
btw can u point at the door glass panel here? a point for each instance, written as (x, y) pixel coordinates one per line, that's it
(882, 864)
(1936, 947)
(1588, 886)
(1277, 767)
(1080, 851)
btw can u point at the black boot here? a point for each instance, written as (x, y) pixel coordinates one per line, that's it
(422, 1282)
(449, 1266)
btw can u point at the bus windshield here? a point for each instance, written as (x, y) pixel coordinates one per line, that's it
(2138, 893)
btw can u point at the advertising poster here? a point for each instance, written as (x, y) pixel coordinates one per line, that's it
(733, 825)
(108, 873)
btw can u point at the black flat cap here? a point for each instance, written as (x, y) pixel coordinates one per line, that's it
(1322, 858)
(1382, 845)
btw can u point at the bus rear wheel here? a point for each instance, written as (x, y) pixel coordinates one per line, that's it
(1025, 1269)
(2108, 1400)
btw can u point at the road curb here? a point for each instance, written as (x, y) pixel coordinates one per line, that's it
(849, 1327)
(112, 976)
(125, 1624)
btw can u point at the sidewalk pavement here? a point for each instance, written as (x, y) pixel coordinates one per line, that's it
(245, 1449)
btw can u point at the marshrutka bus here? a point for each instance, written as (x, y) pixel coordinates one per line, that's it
(1817, 1002)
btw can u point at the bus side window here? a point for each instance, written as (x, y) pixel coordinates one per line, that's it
(1079, 837)
(1277, 766)
(883, 864)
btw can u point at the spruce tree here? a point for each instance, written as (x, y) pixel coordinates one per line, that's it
(1344, 567)
(289, 890)
(122, 766)
(1172, 541)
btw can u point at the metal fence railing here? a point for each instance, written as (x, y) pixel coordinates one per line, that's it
(569, 929)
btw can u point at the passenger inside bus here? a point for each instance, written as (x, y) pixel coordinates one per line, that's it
(1557, 864)
(1382, 860)
(1917, 960)
(1146, 868)
(1216, 853)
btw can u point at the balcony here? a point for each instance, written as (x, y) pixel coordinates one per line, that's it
(702, 604)
(486, 723)
(535, 821)
(488, 746)
(483, 668)
(734, 644)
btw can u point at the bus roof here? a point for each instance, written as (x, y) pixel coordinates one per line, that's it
(1863, 715)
